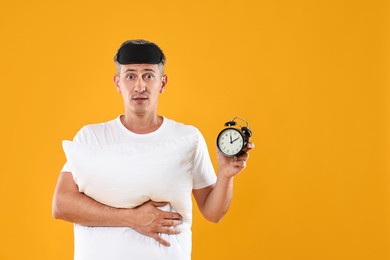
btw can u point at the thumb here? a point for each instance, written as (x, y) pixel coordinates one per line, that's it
(159, 203)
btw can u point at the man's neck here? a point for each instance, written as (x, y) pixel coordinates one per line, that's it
(141, 124)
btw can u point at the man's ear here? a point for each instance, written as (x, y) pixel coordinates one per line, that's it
(116, 82)
(164, 83)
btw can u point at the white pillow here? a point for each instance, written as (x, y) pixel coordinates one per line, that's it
(127, 175)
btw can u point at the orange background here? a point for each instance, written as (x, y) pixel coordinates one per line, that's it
(311, 77)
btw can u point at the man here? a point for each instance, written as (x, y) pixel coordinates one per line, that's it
(140, 207)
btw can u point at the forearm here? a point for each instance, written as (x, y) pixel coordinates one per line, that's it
(81, 209)
(214, 201)
(71, 205)
(219, 199)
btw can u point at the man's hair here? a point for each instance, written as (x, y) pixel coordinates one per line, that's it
(140, 42)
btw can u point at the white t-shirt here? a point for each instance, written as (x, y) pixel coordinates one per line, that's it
(122, 169)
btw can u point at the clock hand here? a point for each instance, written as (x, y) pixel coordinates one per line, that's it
(234, 140)
(231, 139)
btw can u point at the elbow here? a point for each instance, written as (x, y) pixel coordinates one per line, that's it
(214, 218)
(57, 209)
(56, 212)
(64, 197)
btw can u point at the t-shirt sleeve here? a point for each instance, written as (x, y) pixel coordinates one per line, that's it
(203, 171)
(82, 137)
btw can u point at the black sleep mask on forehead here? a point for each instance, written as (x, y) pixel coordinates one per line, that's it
(139, 54)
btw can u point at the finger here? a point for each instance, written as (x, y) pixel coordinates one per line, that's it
(171, 222)
(239, 164)
(243, 157)
(160, 240)
(250, 146)
(159, 203)
(171, 215)
(169, 230)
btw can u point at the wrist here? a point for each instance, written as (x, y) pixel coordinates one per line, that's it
(127, 217)
(224, 177)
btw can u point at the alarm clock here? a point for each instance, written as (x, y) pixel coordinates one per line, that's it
(232, 140)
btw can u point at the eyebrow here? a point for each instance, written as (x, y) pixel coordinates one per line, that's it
(136, 70)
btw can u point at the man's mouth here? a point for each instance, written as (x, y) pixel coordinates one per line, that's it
(139, 99)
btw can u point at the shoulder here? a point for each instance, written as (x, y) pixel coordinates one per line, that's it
(181, 129)
(92, 133)
(184, 132)
(99, 127)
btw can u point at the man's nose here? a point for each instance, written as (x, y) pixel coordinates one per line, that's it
(140, 85)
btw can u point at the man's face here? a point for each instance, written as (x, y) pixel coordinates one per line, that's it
(140, 86)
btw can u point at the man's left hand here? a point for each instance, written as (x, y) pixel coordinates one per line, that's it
(231, 166)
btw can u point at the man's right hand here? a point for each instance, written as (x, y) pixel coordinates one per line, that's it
(150, 221)
(71, 205)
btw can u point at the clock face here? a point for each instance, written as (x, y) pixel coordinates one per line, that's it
(230, 141)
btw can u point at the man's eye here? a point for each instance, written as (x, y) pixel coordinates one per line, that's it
(130, 77)
(149, 76)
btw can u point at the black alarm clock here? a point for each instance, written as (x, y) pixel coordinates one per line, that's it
(232, 140)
